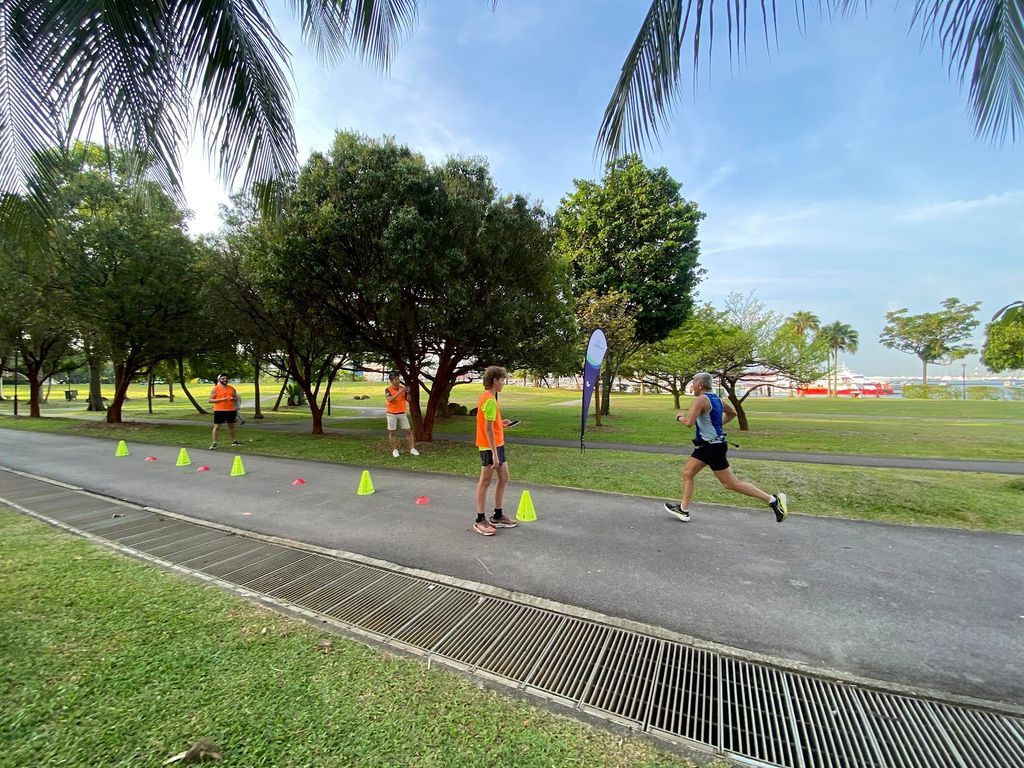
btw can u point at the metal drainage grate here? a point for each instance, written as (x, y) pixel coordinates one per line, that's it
(751, 712)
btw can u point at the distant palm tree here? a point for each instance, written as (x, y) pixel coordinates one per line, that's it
(800, 322)
(838, 336)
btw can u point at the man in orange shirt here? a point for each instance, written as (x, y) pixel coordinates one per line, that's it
(225, 401)
(490, 440)
(395, 394)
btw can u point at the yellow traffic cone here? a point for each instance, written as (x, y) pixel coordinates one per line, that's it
(237, 468)
(122, 448)
(526, 512)
(183, 459)
(365, 484)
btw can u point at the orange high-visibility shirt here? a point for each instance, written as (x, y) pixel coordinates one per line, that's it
(397, 402)
(224, 390)
(487, 410)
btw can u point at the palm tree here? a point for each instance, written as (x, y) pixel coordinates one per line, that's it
(800, 322)
(146, 73)
(838, 336)
(980, 39)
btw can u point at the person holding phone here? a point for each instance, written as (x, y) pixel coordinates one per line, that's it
(225, 401)
(490, 441)
(396, 395)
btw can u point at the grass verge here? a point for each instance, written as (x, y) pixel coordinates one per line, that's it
(121, 664)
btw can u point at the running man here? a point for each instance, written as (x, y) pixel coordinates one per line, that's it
(709, 414)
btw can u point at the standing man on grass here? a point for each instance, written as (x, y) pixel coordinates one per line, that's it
(490, 440)
(396, 395)
(225, 401)
(709, 415)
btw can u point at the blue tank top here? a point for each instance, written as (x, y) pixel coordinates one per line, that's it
(709, 425)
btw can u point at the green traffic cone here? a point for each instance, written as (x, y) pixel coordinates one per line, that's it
(122, 448)
(183, 459)
(365, 484)
(237, 467)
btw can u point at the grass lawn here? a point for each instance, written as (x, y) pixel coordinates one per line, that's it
(109, 662)
(881, 427)
(956, 499)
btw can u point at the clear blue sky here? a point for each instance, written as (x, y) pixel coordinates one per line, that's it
(840, 174)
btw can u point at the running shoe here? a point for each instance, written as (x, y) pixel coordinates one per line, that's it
(395, 453)
(414, 452)
(779, 507)
(484, 528)
(676, 510)
(503, 522)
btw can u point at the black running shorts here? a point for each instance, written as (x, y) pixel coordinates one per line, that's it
(487, 458)
(712, 454)
(224, 417)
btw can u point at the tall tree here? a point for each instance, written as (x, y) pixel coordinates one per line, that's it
(934, 337)
(838, 337)
(633, 233)
(1004, 339)
(34, 320)
(128, 268)
(425, 266)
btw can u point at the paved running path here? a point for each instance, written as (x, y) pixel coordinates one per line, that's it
(937, 609)
(334, 424)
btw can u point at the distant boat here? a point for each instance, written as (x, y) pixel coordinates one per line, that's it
(849, 385)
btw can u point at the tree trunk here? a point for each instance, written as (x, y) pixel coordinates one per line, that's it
(95, 386)
(49, 386)
(170, 386)
(184, 387)
(606, 384)
(737, 403)
(35, 388)
(149, 390)
(256, 381)
(280, 394)
(597, 405)
(924, 372)
(122, 379)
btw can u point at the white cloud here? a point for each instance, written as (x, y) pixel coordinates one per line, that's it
(944, 210)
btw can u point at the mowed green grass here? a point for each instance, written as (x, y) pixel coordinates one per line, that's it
(109, 662)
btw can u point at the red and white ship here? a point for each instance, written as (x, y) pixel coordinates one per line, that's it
(849, 385)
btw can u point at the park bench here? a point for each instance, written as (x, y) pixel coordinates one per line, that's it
(70, 394)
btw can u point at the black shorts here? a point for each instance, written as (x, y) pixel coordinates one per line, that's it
(712, 454)
(487, 457)
(224, 417)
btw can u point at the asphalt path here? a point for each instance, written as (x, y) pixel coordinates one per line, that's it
(933, 609)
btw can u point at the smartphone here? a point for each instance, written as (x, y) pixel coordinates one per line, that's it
(512, 423)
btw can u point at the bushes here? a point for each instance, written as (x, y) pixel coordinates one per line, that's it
(931, 392)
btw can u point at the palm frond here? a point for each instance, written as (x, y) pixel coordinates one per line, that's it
(234, 64)
(982, 40)
(372, 28)
(986, 39)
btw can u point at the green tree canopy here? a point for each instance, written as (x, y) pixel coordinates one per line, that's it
(837, 337)
(1004, 339)
(425, 266)
(632, 233)
(934, 337)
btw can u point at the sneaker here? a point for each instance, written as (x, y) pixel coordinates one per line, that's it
(395, 453)
(235, 442)
(414, 452)
(503, 522)
(779, 507)
(484, 528)
(677, 511)
(213, 446)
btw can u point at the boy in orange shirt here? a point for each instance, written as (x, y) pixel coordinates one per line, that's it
(490, 440)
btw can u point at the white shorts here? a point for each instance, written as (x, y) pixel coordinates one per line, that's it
(396, 420)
